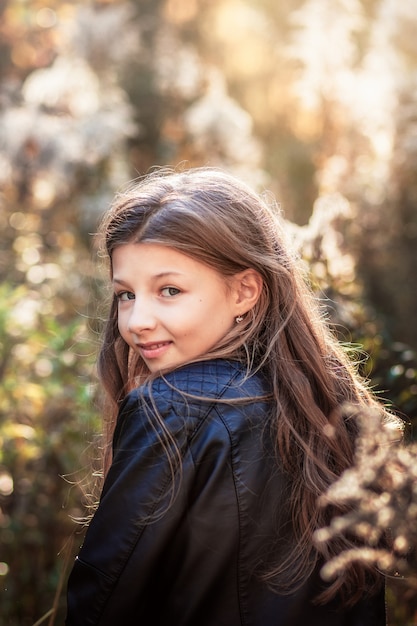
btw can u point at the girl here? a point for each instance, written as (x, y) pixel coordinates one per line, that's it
(227, 422)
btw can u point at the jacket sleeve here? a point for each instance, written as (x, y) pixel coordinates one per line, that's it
(132, 498)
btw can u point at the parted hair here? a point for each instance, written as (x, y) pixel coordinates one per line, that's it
(220, 221)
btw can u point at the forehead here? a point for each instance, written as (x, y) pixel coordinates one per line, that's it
(150, 260)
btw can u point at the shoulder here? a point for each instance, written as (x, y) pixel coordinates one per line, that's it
(204, 381)
(189, 393)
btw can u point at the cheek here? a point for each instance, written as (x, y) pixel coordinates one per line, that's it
(122, 323)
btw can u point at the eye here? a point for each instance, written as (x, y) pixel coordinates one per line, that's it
(168, 292)
(124, 296)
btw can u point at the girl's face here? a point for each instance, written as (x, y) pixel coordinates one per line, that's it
(171, 308)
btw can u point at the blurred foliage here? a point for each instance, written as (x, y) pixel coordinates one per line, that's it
(95, 93)
(378, 493)
(46, 423)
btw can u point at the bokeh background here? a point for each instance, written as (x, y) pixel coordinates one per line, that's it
(313, 100)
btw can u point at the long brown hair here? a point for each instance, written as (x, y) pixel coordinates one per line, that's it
(216, 219)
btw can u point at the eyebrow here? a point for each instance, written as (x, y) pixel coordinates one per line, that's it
(119, 281)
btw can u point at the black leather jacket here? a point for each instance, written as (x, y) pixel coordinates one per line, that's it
(195, 561)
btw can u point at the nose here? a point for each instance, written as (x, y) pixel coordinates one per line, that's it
(141, 317)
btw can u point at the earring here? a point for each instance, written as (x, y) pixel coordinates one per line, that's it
(239, 319)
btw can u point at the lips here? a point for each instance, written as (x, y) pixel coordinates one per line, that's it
(153, 350)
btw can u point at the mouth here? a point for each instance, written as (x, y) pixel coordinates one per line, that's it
(153, 350)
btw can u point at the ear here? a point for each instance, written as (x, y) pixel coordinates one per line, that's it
(247, 288)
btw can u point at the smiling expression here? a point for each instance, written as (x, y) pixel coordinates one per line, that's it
(172, 309)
